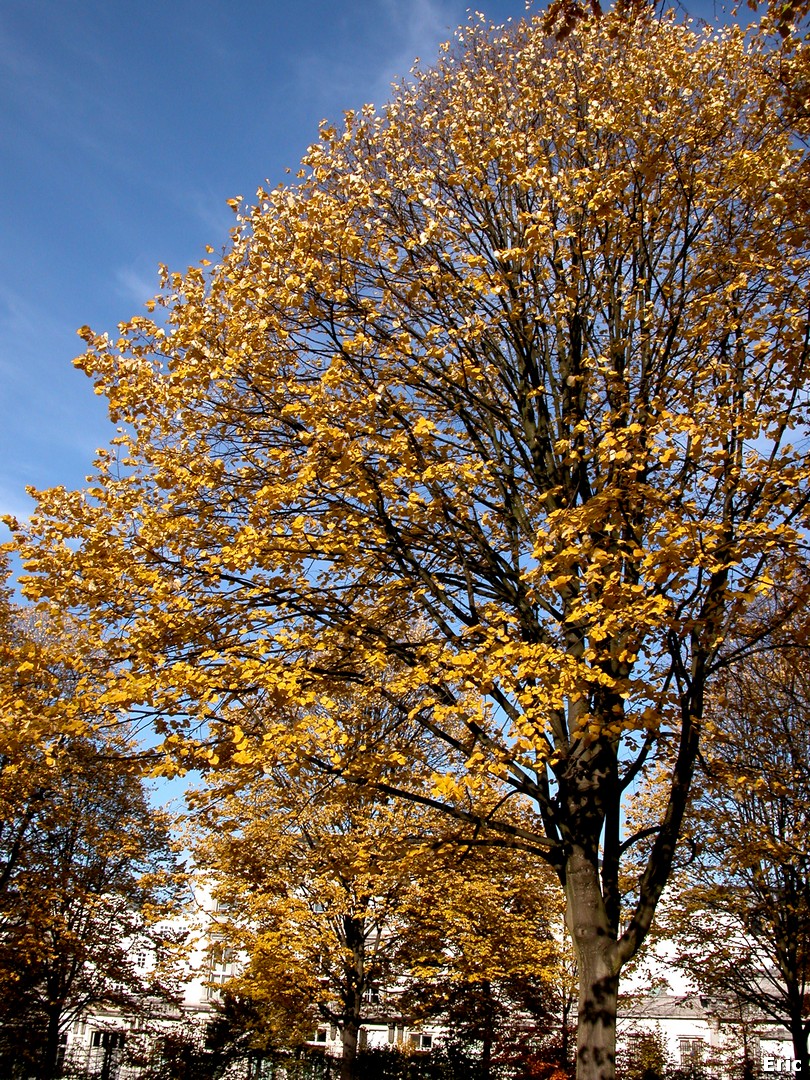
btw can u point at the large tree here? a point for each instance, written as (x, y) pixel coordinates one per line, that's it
(498, 408)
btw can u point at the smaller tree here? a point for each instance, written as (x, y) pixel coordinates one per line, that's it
(339, 897)
(91, 880)
(645, 1056)
(743, 917)
(86, 870)
(312, 875)
(485, 959)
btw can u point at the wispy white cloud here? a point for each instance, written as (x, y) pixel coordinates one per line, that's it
(403, 33)
(135, 284)
(212, 211)
(55, 102)
(420, 27)
(14, 503)
(26, 328)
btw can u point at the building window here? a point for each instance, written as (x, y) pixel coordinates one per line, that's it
(419, 1041)
(222, 965)
(691, 1051)
(223, 957)
(320, 1035)
(111, 1040)
(214, 983)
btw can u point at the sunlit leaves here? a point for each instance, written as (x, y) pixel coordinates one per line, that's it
(499, 410)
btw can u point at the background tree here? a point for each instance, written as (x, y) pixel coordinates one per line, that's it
(86, 869)
(498, 399)
(488, 958)
(645, 1056)
(335, 892)
(313, 877)
(92, 875)
(742, 919)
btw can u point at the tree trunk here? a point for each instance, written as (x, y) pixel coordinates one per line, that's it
(350, 1037)
(487, 1031)
(798, 1033)
(50, 1060)
(354, 936)
(594, 942)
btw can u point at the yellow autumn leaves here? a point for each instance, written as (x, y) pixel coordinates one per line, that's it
(496, 414)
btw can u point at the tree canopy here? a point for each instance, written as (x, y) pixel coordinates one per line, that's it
(497, 411)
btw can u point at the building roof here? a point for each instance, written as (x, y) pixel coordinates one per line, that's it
(699, 1007)
(670, 1007)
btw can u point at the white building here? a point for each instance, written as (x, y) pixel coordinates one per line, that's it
(696, 1032)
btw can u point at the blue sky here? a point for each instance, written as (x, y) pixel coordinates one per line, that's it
(125, 125)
